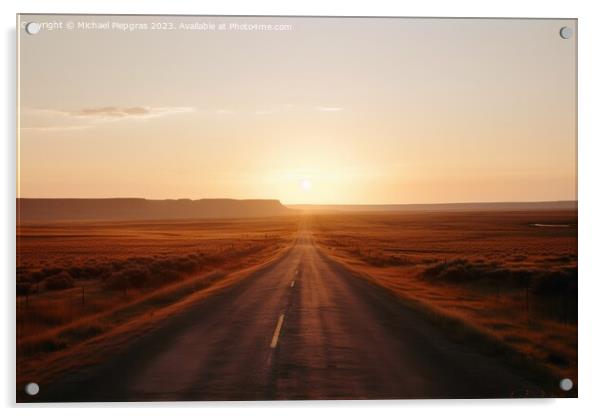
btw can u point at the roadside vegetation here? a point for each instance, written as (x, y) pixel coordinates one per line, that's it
(79, 281)
(489, 273)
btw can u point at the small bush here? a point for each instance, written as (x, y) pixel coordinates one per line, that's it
(461, 271)
(59, 281)
(137, 277)
(455, 271)
(556, 282)
(540, 281)
(166, 277)
(24, 288)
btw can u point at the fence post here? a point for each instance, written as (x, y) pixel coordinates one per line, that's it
(527, 304)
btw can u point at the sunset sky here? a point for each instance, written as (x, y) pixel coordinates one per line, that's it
(332, 111)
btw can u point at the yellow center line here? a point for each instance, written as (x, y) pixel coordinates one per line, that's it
(277, 332)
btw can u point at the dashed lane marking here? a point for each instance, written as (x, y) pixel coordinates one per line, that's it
(277, 331)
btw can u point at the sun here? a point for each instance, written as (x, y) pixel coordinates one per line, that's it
(305, 184)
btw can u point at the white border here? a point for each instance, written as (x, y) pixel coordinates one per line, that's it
(590, 271)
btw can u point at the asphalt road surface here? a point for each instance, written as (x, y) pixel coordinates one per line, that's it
(301, 328)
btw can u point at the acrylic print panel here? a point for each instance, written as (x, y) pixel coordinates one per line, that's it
(272, 208)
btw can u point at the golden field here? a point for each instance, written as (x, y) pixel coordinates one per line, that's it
(508, 276)
(76, 281)
(511, 276)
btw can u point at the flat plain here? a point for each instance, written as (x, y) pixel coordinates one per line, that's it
(326, 305)
(77, 281)
(508, 275)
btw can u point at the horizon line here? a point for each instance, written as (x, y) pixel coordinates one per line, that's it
(309, 203)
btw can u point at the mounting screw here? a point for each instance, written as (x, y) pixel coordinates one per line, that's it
(566, 32)
(566, 384)
(32, 28)
(32, 389)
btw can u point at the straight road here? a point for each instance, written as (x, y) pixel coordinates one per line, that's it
(301, 328)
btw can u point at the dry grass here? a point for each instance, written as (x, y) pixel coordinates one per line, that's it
(81, 280)
(494, 271)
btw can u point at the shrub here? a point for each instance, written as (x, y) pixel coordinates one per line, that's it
(133, 276)
(166, 277)
(540, 281)
(24, 288)
(454, 271)
(556, 282)
(142, 272)
(464, 271)
(49, 271)
(115, 281)
(59, 281)
(38, 276)
(137, 277)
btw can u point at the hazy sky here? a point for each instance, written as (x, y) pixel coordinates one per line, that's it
(329, 111)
